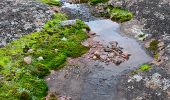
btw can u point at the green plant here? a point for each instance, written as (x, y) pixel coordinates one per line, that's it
(24, 96)
(25, 81)
(52, 2)
(144, 67)
(119, 14)
(94, 2)
(153, 46)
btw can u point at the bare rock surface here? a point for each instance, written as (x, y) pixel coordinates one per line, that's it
(154, 14)
(20, 17)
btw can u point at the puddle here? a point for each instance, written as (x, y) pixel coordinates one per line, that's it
(101, 83)
(107, 31)
(94, 80)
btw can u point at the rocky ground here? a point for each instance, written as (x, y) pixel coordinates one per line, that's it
(154, 14)
(152, 18)
(20, 17)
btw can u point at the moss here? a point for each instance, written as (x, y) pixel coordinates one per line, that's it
(24, 96)
(156, 55)
(153, 46)
(22, 80)
(119, 14)
(145, 67)
(40, 70)
(52, 2)
(142, 68)
(94, 2)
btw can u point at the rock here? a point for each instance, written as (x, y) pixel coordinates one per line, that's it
(161, 46)
(166, 84)
(21, 17)
(51, 96)
(106, 49)
(92, 33)
(155, 81)
(110, 55)
(64, 98)
(86, 44)
(125, 55)
(118, 60)
(56, 9)
(55, 50)
(113, 44)
(137, 78)
(40, 58)
(48, 79)
(28, 60)
(97, 54)
(68, 22)
(103, 57)
(84, 30)
(30, 50)
(116, 3)
(94, 57)
(64, 39)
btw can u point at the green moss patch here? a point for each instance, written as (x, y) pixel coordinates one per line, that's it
(153, 46)
(54, 44)
(52, 2)
(142, 68)
(94, 2)
(119, 14)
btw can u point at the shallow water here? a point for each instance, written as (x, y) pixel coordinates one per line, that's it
(107, 31)
(101, 83)
(94, 80)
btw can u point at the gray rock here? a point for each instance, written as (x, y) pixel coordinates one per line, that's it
(137, 78)
(19, 17)
(40, 58)
(68, 22)
(28, 60)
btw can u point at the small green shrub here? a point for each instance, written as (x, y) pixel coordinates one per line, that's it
(119, 14)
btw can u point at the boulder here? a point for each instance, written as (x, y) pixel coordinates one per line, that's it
(92, 33)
